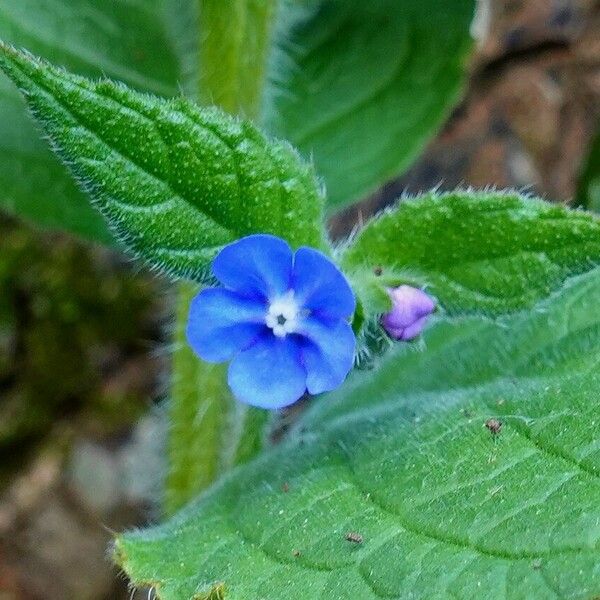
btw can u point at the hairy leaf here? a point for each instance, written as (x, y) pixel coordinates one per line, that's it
(468, 471)
(176, 182)
(475, 252)
(124, 40)
(360, 87)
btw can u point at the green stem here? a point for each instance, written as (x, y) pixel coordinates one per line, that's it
(209, 431)
(233, 48)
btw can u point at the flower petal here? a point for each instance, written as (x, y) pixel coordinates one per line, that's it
(327, 352)
(255, 265)
(320, 286)
(221, 323)
(269, 374)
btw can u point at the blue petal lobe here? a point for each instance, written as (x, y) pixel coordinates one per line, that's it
(269, 374)
(221, 323)
(320, 286)
(257, 264)
(327, 351)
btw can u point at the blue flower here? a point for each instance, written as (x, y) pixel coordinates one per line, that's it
(280, 318)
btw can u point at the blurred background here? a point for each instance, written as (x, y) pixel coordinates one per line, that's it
(83, 333)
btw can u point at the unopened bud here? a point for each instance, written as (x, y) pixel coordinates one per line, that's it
(410, 309)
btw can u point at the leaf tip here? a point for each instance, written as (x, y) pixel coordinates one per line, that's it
(6, 52)
(14, 60)
(120, 559)
(117, 552)
(5, 47)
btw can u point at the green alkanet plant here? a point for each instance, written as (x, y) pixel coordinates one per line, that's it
(393, 483)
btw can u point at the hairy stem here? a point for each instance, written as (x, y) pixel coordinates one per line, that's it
(233, 48)
(209, 431)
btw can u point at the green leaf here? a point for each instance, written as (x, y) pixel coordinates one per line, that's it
(445, 507)
(360, 87)
(125, 40)
(175, 182)
(588, 191)
(475, 252)
(209, 431)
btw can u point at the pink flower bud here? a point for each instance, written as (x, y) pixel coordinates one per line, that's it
(410, 309)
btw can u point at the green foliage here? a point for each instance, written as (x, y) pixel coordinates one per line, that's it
(360, 87)
(588, 191)
(445, 502)
(475, 252)
(469, 469)
(361, 125)
(176, 182)
(124, 40)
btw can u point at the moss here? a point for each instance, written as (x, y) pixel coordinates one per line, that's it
(71, 316)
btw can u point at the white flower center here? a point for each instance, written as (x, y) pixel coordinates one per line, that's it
(283, 313)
